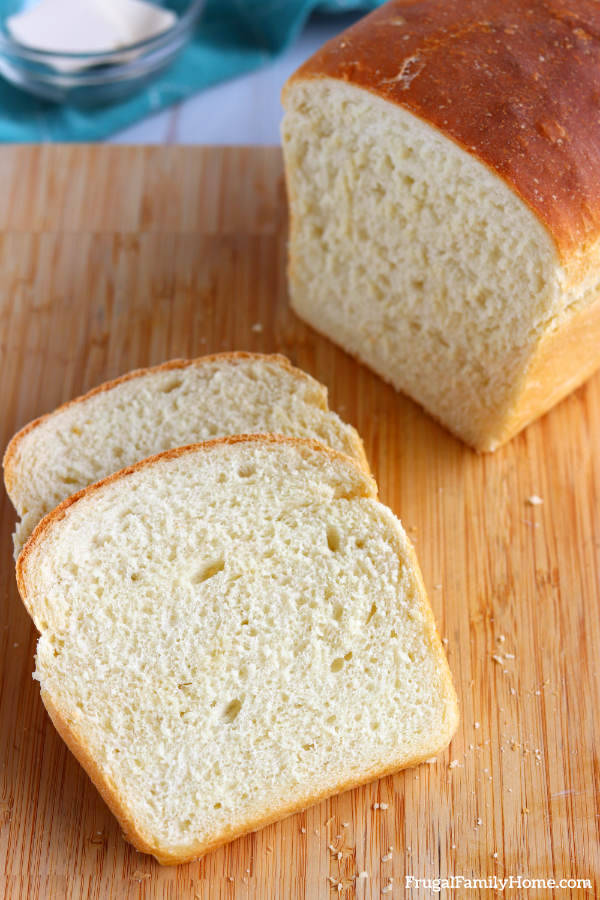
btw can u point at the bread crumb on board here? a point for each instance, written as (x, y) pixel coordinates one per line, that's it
(140, 876)
(534, 500)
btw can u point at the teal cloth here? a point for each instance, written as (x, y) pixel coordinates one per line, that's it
(232, 37)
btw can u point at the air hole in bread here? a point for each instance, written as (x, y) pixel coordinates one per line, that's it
(66, 479)
(208, 571)
(337, 664)
(393, 633)
(171, 386)
(75, 430)
(232, 710)
(338, 611)
(246, 471)
(372, 612)
(333, 538)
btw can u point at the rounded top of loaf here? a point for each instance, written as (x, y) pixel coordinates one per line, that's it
(514, 82)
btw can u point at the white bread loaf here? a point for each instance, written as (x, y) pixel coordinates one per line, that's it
(230, 632)
(150, 410)
(442, 166)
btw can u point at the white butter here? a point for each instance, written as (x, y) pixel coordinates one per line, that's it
(87, 26)
(64, 26)
(138, 20)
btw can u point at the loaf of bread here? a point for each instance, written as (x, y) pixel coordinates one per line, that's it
(230, 632)
(150, 410)
(443, 171)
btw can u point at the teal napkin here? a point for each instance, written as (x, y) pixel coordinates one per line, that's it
(233, 37)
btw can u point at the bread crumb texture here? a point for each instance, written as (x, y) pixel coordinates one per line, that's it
(178, 403)
(230, 633)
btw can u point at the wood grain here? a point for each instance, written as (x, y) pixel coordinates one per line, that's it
(112, 258)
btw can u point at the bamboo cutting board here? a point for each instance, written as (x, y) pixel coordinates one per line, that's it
(113, 258)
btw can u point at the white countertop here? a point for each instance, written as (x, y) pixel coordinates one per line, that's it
(244, 110)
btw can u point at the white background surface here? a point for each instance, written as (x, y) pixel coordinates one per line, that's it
(245, 110)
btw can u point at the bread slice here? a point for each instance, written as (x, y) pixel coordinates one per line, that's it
(150, 410)
(230, 632)
(445, 204)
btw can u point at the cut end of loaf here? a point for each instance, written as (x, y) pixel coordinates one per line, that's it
(231, 632)
(422, 262)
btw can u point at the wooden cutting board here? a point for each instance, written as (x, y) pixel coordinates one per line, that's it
(113, 258)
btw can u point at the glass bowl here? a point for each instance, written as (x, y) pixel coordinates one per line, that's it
(87, 79)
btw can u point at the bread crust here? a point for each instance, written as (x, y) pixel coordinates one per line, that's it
(562, 361)
(229, 357)
(513, 83)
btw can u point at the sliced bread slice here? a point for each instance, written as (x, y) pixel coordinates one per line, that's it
(150, 410)
(230, 632)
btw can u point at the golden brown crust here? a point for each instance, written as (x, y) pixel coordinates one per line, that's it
(514, 82)
(562, 361)
(231, 356)
(59, 512)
